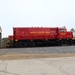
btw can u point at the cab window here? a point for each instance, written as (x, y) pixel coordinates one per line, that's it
(62, 30)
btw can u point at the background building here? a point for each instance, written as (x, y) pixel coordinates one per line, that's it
(0, 36)
(73, 32)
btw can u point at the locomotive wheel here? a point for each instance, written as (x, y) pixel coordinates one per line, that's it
(59, 42)
(67, 42)
(70, 42)
(33, 44)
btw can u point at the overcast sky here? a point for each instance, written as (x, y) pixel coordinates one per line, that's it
(28, 13)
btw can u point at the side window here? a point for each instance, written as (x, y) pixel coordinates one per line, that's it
(62, 30)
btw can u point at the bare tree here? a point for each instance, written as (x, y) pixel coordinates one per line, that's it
(72, 29)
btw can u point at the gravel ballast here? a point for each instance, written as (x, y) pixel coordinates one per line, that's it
(39, 50)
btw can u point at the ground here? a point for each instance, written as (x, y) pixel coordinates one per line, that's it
(30, 56)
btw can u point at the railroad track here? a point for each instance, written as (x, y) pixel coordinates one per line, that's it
(39, 50)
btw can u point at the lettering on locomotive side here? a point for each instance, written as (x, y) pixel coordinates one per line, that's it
(33, 32)
(63, 33)
(40, 32)
(47, 32)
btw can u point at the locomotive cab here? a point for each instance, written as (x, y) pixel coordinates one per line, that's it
(62, 33)
(64, 36)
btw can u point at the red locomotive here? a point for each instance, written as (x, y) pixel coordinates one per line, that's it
(41, 36)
